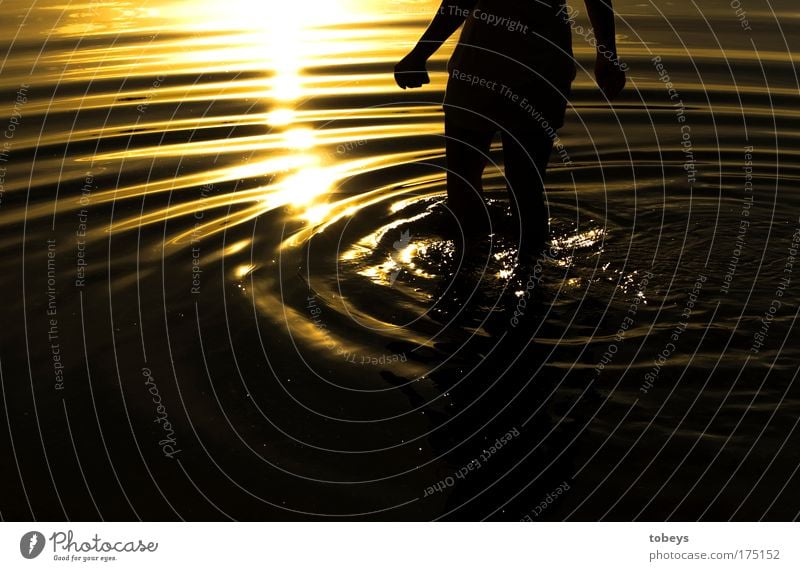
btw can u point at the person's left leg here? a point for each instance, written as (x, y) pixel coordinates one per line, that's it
(526, 154)
(467, 150)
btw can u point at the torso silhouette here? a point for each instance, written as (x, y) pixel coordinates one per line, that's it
(513, 55)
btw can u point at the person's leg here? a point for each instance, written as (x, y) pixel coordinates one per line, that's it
(467, 150)
(526, 154)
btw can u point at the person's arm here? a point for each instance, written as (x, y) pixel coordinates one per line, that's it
(411, 71)
(608, 71)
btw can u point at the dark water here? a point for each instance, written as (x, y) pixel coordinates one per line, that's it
(228, 292)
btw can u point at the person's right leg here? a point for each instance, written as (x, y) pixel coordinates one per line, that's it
(526, 153)
(467, 153)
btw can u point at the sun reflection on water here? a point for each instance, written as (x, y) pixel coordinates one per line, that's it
(265, 55)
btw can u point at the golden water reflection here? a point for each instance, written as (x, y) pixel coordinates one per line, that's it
(288, 69)
(266, 58)
(281, 108)
(288, 111)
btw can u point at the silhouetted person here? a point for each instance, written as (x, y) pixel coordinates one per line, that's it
(510, 72)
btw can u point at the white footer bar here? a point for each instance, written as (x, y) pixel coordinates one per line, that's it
(347, 546)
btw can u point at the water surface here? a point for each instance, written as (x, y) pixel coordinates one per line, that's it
(229, 290)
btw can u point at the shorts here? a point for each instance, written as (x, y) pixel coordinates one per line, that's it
(505, 106)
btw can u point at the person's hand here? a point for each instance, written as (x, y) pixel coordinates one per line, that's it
(411, 71)
(610, 77)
